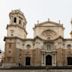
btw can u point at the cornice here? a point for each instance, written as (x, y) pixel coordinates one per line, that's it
(9, 25)
(18, 38)
(57, 24)
(30, 39)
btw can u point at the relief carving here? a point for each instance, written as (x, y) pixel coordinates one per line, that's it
(49, 34)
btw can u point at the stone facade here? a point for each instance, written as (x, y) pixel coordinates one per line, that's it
(48, 47)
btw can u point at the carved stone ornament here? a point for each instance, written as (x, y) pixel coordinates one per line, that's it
(49, 34)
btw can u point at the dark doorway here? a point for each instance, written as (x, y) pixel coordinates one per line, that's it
(69, 60)
(48, 60)
(28, 60)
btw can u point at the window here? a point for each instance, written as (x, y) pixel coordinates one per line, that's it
(0, 51)
(20, 50)
(68, 46)
(9, 45)
(22, 44)
(15, 19)
(19, 21)
(28, 46)
(11, 34)
(9, 51)
(12, 31)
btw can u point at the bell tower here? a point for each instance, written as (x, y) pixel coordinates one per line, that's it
(16, 31)
(17, 25)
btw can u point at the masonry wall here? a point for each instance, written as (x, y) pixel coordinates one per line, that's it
(43, 70)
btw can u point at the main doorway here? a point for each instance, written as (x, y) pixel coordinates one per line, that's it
(28, 61)
(48, 60)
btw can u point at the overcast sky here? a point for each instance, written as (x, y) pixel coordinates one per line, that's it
(36, 10)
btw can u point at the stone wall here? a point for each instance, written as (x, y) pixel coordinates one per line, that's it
(37, 69)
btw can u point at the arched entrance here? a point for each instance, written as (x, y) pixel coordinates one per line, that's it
(69, 60)
(28, 61)
(48, 60)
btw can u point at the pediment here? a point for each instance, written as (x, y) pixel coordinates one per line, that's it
(60, 37)
(49, 23)
(38, 38)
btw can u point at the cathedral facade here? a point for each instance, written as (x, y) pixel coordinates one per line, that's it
(48, 47)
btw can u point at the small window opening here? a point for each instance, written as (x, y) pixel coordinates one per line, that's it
(15, 19)
(28, 46)
(68, 46)
(11, 34)
(19, 21)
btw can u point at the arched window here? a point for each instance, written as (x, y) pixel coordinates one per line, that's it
(15, 19)
(69, 46)
(28, 46)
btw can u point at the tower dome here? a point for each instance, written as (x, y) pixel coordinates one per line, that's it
(17, 17)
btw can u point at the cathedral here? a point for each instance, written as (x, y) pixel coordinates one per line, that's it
(47, 48)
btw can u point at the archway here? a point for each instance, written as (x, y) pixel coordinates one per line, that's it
(48, 60)
(28, 61)
(69, 60)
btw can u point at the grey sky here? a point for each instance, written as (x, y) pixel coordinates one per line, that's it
(36, 10)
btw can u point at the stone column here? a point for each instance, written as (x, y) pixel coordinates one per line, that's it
(43, 59)
(53, 60)
(17, 20)
(11, 20)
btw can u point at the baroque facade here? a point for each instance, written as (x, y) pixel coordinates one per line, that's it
(48, 47)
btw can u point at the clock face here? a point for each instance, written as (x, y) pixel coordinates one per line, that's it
(49, 34)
